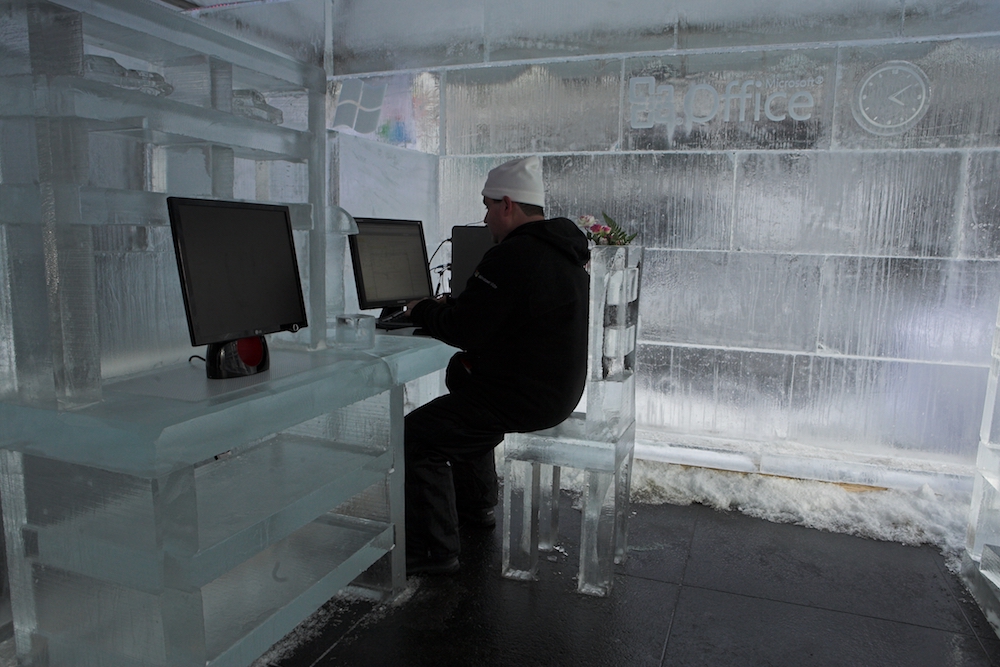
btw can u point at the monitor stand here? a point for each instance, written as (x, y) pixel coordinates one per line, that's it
(237, 358)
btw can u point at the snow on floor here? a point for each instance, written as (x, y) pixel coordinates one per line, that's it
(912, 518)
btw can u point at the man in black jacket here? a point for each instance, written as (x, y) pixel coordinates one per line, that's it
(521, 324)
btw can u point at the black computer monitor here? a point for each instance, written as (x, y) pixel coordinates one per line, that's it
(239, 278)
(468, 245)
(390, 263)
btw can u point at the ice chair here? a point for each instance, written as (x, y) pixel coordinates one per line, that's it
(599, 442)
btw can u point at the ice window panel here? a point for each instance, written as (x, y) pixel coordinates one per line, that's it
(879, 203)
(718, 23)
(522, 29)
(918, 95)
(569, 106)
(733, 394)
(402, 110)
(382, 35)
(725, 101)
(949, 17)
(672, 200)
(981, 221)
(746, 300)
(931, 310)
(885, 407)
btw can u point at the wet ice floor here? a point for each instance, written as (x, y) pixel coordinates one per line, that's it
(701, 586)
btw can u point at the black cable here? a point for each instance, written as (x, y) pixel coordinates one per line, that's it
(440, 269)
(434, 254)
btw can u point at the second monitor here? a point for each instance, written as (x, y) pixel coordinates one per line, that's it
(468, 245)
(390, 264)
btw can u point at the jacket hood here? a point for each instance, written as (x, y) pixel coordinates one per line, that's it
(560, 233)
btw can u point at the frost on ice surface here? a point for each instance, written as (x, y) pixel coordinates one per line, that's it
(912, 518)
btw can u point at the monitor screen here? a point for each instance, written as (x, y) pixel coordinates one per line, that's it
(468, 245)
(238, 270)
(390, 262)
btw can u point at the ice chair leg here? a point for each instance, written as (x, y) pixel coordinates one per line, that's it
(597, 534)
(520, 519)
(548, 509)
(623, 485)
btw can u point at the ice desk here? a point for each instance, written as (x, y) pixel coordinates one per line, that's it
(186, 522)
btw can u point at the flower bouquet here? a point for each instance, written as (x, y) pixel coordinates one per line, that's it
(608, 233)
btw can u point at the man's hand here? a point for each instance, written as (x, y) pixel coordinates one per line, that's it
(410, 306)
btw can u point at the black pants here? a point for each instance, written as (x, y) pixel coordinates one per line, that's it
(449, 465)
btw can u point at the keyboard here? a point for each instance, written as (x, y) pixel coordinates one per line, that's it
(398, 320)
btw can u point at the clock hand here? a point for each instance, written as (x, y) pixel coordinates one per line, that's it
(894, 97)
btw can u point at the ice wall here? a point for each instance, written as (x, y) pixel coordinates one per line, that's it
(822, 275)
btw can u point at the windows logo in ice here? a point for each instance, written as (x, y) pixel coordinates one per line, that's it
(359, 106)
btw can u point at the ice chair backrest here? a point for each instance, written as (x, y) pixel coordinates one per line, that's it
(615, 279)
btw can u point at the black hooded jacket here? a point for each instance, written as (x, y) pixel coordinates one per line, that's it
(522, 325)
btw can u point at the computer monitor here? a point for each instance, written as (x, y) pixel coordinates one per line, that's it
(390, 263)
(468, 245)
(239, 278)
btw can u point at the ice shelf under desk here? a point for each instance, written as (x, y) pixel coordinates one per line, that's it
(148, 535)
(229, 621)
(182, 521)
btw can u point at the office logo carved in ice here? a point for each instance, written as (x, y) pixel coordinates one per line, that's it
(891, 98)
(773, 98)
(359, 106)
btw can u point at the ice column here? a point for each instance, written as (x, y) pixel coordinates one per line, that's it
(55, 334)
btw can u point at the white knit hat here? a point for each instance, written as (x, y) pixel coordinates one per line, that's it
(521, 180)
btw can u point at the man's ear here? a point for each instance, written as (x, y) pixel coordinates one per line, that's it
(508, 205)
